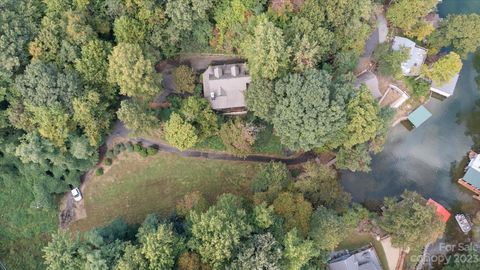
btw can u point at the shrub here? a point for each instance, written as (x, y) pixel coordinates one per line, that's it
(184, 79)
(137, 147)
(99, 171)
(143, 152)
(108, 161)
(110, 154)
(116, 151)
(237, 137)
(129, 147)
(389, 61)
(151, 150)
(122, 147)
(418, 88)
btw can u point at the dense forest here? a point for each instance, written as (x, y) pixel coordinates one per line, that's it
(71, 68)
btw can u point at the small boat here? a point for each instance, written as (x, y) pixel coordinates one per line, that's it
(463, 223)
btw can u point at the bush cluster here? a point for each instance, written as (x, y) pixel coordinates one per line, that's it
(122, 147)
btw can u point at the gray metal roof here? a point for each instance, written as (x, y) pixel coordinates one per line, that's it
(446, 89)
(472, 177)
(227, 87)
(371, 81)
(363, 259)
(419, 116)
(417, 55)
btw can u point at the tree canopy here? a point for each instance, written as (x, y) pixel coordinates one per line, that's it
(217, 232)
(310, 110)
(180, 133)
(133, 72)
(461, 32)
(443, 70)
(408, 15)
(266, 51)
(410, 221)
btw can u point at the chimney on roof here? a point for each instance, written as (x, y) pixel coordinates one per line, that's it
(217, 72)
(234, 70)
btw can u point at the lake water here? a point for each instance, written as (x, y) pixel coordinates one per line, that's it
(428, 159)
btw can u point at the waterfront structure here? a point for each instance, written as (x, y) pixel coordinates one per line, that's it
(419, 116)
(446, 89)
(471, 179)
(442, 212)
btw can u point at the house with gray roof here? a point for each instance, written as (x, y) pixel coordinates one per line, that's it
(362, 259)
(224, 87)
(472, 176)
(370, 80)
(417, 56)
(446, 89)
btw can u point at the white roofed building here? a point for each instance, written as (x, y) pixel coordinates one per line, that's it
(416, 58)
(224, 87)
(446, 89)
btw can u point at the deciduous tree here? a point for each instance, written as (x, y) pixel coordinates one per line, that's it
(444, 69)
(53, 124)
(93, 63)
(161, 247)
(270, 181)
(295, 210)
(44, 85)
(363, 118)
(354, 159)
(183, 79)
(217, 232)
(327, 229)
(237, 137)
(407, 14)
(266, 51)
(197, 111)
(180, 133)
(129, 30)
(298, 252)
(411, 222)
(193, 201)
(133, 72)
(319, 184)
(92, 115)
(137, 117)
(390, 61)
(310, 110)
(462, 32)
(262, 251)
(260, 98)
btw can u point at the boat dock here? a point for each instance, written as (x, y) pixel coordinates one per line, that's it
(471, 178)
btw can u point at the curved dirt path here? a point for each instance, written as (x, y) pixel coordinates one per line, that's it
(163, 147)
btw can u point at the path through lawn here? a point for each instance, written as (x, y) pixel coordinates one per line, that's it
(134, 187)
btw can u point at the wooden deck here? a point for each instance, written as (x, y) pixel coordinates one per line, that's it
(469, 186)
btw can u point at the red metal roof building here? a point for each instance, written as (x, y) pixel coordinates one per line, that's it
(441, 211)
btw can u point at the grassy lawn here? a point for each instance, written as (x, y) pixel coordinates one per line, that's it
(214, 143)
(358, 240)
(134, 187)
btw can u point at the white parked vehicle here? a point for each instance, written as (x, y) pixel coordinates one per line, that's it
(77, 195)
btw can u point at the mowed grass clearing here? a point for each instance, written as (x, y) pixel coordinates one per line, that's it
(134, 187)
